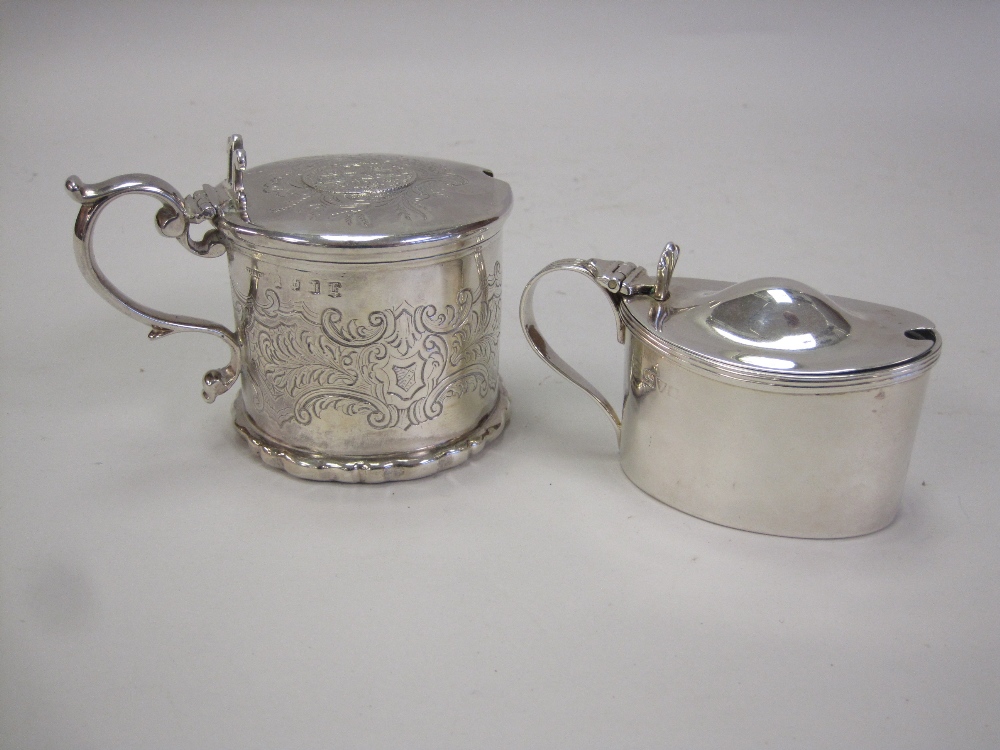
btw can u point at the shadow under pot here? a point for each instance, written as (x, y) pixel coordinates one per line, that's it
(764, 406)
(366, 291)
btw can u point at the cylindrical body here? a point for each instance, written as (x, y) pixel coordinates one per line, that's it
(817, 464)
(363, 360)
(366, 291)
(367, 298)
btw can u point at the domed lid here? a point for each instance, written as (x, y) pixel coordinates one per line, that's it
(355, 204)
(776, 331)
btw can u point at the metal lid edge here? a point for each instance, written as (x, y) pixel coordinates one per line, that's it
(386, 249)
(800, 382)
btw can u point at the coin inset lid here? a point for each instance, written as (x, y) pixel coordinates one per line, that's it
(352, 188)
(369, 200)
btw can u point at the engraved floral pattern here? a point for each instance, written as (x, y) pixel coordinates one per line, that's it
(396, 368)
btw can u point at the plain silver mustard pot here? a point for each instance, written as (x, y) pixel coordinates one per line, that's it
(765, 405)
(366, 291)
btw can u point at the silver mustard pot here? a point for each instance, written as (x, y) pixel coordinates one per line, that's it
(366, 291)
(766, 405)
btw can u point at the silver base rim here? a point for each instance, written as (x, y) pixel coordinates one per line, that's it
(375, 469)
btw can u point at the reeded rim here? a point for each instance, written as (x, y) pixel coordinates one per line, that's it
(826, 382)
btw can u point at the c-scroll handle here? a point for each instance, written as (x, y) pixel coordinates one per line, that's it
(172, 220)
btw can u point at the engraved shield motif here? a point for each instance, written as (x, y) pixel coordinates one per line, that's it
(393, 368)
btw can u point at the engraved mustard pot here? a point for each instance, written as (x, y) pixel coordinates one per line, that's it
(766, 405)
(366, 291)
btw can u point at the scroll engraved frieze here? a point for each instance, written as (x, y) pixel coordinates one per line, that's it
(396, 367)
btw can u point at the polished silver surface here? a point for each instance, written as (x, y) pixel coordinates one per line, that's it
(781, 332)
(366, 293)
(362, 207)
(778, 315)
(764, 405)
(173, 220)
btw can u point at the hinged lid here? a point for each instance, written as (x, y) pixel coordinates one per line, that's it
(360, 207)
(776, 331)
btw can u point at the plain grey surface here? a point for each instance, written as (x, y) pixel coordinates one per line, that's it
(162, 588)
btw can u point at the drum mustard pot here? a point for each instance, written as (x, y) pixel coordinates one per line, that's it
(366, 291)
(766, 405)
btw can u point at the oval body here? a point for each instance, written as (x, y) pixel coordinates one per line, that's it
(787, 462)
(769, 407)
(765, 405)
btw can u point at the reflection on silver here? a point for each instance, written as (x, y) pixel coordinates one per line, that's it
(767, 362)
(366, 292)
(789, 318)
(763, 406)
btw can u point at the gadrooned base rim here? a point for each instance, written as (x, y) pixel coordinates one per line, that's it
(375, 469)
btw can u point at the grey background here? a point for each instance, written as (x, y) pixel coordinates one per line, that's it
(161, 588)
